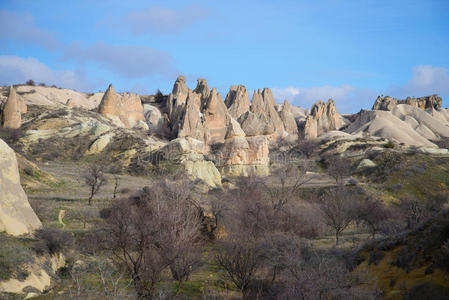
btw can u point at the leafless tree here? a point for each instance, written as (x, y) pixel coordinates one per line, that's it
(306, 147)
(337, 207)
(116, 186)
(286, 183)
(94, 178)
(240, 260)
(372, 213)
(339, 169)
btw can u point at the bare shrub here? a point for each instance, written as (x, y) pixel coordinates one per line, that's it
(30, 82)
(156, 229)
(53, 240)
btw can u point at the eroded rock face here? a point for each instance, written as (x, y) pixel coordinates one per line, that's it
(13, 109)
(127, 107)
(16, 215)
(216, 118)
(386, 103)
(323, 117)
(427, 102)
(289, 120)
(237, 101)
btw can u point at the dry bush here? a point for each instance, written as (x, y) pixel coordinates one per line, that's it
(154, 230)
(94, 178)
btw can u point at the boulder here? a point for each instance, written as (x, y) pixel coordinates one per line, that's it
(366, 163)
(237, 101)
(16, 215)
(323, 117)
(13, 109)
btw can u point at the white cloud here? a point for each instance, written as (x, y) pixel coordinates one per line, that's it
(158, 19)
(14, 69)
(425, 80)
(305, 97)
(127, 61)
(22, 27)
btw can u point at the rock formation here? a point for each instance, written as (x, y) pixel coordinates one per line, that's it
(216, 118)
(237, 101)
(426, 102)
(16, 215)
(323, 117)
(262, 119)
(386, 103)
(13, 109)
(127, 107)
(289, 120)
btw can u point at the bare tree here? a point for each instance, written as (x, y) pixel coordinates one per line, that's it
(95, 178)
(306, 147)
(240, 260)
(337, 207)
(116, 186)
(339, 169)
(156, 229)
(286, 183)
(372, 213)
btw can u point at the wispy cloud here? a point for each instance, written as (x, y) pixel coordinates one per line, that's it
(21, 27)
(162, 20)
(15, 69)
(127, 61)
(425, 80)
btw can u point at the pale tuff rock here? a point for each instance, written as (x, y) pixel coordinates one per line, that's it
(16, 215)
(234, 129)
(177, 99)
(426, 102)
(385, 124)
(13, 109)
(366, 163)
(202, 88)
(216, 118)
(188, 152)
(263, 118)
(323, 117)
(288, 119)
(127, 107)
(237, 101)
(386, 103)
(154, 118)
(192, 122)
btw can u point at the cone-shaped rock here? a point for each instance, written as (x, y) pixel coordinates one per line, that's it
(323, 117)
(237, 101)
(12, 111)
(288, 119)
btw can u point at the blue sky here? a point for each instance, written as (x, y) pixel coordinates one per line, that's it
(305, 51)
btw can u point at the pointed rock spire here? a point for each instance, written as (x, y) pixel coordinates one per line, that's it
(237, 101)
(12, 110)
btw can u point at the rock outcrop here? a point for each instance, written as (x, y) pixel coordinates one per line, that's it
(426, 102)
(216, 118)
(11, 116)
(385, 103)
(16, 215)
(262, 119)
(237, 101)
(323, 117)
(188, 152)
(289, 120)
(127, 107)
